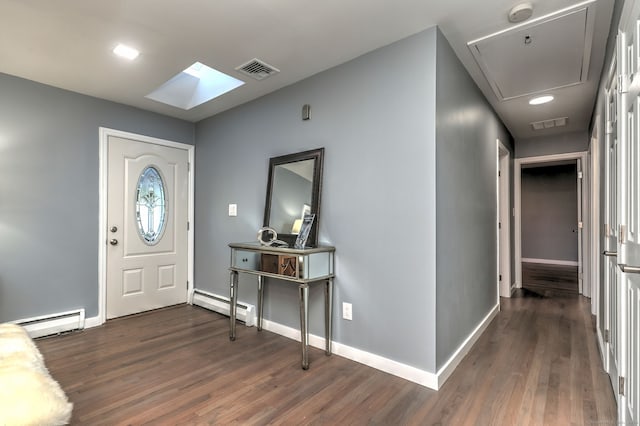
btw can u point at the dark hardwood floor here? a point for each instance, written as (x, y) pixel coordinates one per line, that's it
(550, 280)
(537, 363)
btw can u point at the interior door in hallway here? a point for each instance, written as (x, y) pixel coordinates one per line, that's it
(611, 293)
(629, 214)
(147, 214)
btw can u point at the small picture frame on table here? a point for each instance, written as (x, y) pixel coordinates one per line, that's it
(305, 229)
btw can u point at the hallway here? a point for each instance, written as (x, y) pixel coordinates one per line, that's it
(537, 363)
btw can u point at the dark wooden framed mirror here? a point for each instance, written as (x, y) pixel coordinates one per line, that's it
(293, 190)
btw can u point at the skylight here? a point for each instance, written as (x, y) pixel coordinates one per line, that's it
(194, 86)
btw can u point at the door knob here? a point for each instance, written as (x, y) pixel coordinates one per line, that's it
(113, 242)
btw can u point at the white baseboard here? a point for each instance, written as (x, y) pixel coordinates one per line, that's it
(550, 261)
(407, 372)
(463, 350)
(378, 362)
(92, 322)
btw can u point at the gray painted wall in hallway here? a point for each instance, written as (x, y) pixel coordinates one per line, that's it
(555, 144)
(467, 129)
(375, 117)
(49, 193)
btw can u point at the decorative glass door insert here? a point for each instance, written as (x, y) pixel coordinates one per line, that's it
(151, 205)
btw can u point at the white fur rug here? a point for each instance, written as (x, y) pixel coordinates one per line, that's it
(28, 394)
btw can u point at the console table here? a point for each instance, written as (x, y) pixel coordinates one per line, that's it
(301, 266)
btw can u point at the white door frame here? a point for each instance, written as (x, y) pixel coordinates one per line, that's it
(504, 220)
(606, 124)
(594, 218)
(517, 208)
(102, 211)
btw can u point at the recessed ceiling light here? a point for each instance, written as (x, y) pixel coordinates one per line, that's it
(126, 52)
(541, 100)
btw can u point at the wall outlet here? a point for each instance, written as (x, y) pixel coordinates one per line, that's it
(347, 311)
(233, 210)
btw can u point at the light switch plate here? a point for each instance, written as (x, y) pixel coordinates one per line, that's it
(347, 311)
(233, 210)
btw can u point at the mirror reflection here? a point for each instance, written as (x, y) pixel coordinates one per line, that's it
(291, 196)
(293, 190)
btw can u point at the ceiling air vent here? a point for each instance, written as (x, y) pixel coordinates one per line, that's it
(548, 124)
(257, 69)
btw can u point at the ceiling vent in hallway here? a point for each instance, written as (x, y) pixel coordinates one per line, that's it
(257, 69)
(548, 124)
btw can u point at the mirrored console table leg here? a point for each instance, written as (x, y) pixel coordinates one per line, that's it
(328, 313)
(260, 300)
(304, 324)
(233, 299)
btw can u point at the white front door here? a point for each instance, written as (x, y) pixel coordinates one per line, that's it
(629, 214)
(147, 214)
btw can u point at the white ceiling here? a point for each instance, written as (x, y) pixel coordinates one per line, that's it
(67, 44)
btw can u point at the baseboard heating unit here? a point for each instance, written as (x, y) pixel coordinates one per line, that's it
(47, 325)
(214, 302)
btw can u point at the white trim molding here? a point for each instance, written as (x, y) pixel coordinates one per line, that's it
(407, 372)
(425, 378)
(447, 369)
(93, 322)
(503, 231)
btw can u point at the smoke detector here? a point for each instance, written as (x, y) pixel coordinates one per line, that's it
(520, 12)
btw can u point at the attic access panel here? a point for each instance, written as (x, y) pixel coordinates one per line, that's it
(548, 53)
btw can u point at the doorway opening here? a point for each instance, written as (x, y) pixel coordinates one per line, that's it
(549, 228)
(551, 223)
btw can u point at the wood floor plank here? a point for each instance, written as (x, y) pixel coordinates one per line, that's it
(537, 363)
(550, 280)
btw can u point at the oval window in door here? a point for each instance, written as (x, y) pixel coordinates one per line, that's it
(151, 205)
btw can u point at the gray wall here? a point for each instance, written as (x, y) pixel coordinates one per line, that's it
(375, 117)
(555, 144)
(467, 129)
(378, 201)
(49, 193)
(550, 212)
